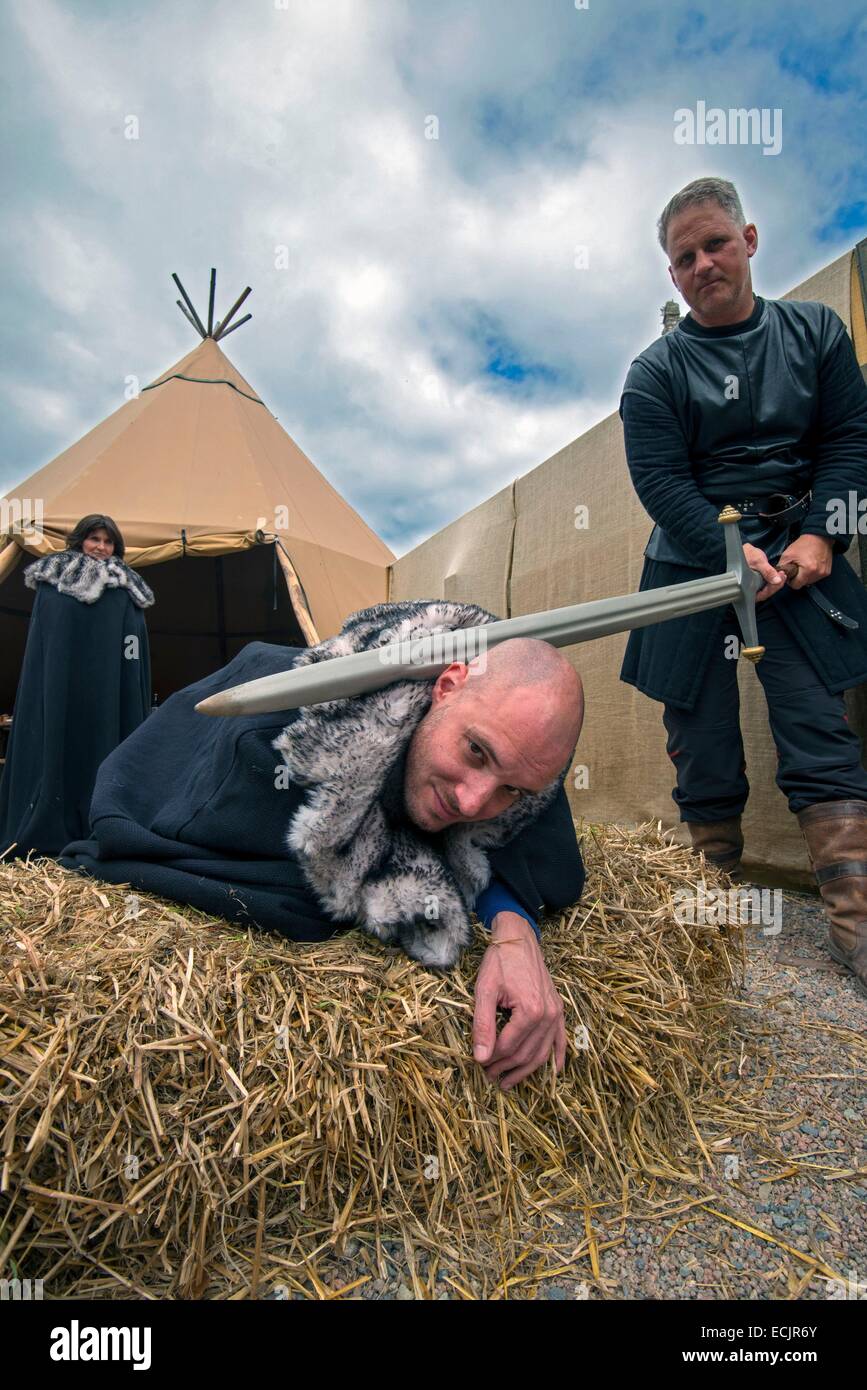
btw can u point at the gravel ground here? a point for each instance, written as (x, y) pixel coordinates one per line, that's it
(805, 1026)
(803, 1029)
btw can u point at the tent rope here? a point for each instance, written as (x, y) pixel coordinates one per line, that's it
(203, 381)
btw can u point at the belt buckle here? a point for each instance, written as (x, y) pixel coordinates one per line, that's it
(792, 503)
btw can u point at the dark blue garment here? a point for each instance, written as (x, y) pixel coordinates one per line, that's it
(192, 808)
(84, 686)
(497, 898)
(818, 754)
(776, 403)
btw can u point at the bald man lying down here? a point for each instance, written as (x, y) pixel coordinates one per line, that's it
(397, 812)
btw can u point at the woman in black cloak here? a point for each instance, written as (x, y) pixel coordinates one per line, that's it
(84, 686)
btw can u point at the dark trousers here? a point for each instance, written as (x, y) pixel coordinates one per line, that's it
(818, 754)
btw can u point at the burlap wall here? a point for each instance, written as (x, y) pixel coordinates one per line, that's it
(468, 561)
(521, 552)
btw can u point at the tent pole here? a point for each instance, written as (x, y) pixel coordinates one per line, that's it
(211, 302)
(221, 326)
(186, 313)
(297, 596)
(189, 303)
(224, 332)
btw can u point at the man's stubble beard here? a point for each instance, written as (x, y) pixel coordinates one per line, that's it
(727, 298)
(417, 771)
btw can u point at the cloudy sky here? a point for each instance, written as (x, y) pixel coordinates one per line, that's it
(406, 186)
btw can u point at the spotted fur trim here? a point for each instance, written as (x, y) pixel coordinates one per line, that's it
(84, 577)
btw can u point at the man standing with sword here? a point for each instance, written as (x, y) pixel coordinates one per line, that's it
(760, 404)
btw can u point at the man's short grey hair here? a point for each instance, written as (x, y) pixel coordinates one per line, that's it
(701, 191)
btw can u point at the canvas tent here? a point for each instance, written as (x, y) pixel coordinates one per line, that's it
(520, 552)
(240, 536)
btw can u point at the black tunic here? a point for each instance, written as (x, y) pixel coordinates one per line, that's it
(711, 416)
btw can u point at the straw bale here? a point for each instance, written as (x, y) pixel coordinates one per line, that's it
(189, 1110)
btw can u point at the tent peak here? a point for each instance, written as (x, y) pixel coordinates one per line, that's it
(220, 329)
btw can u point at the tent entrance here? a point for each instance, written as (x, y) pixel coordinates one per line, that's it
(208, 607)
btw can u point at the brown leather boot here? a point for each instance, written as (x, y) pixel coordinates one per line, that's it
(721, 841)
(836, 835)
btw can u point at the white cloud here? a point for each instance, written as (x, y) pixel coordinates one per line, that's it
(411, 261)
(57, 409)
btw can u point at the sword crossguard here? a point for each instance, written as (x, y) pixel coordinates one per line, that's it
(750, 583)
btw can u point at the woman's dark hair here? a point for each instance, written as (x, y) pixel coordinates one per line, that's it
(87, 524)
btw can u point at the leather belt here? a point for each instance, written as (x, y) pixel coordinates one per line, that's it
(829, 609)
(783, 510)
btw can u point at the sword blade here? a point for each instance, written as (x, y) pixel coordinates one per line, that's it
(423, 658)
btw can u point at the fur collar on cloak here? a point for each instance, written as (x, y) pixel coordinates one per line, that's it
(84, 577)
(362, 856)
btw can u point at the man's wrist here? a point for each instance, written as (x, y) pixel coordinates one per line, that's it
(509, 925)
(819, 536)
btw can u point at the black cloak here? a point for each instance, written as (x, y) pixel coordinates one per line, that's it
(188, 809)
(84, 687)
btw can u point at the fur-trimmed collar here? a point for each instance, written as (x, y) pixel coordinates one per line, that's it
(86, 578)
(360, 853)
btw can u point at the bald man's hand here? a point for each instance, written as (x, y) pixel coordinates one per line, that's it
(513, 976)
